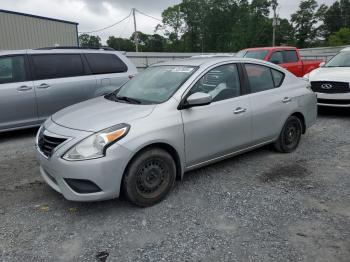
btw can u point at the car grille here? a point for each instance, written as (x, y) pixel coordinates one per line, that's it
(334, 101)
(330, 87)
(47, 144)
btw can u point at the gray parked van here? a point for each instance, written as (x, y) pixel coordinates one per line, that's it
(35, 84)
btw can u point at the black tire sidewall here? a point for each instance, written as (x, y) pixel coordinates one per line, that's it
(130, 178)
(281, 143)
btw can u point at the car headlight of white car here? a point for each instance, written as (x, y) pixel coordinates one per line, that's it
(95, 146)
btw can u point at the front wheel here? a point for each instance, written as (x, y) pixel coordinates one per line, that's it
(149, 177)
(290, 136)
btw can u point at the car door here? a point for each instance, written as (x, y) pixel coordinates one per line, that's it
(222, 127)
(270, 102)
(17, 96)
(292, 62)
(60, 81)
(276, 57)
(110, 71)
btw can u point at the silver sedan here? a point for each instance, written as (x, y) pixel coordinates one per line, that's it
(169, 119)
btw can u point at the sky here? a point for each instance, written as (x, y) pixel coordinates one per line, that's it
(94, 14)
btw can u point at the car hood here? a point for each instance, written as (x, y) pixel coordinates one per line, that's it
(99, 113)
(341, 74)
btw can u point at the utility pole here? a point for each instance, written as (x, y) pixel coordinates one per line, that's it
(136, 39)
(275, 22)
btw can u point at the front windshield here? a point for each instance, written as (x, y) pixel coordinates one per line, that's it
(340, 60)
(155, 85)
(258, 54)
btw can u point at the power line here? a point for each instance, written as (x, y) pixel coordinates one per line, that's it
(142, 13)
(107, 27)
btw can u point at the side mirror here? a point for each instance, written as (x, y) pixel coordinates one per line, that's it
(322, 64)
(276, 62)
(198, 99)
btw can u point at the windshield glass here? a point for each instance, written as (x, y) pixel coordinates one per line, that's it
(155, 85)
(340, 60)
(258, 54)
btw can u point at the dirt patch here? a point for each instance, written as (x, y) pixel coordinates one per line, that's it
(290, 171)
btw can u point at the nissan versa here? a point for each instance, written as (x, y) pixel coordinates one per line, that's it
(171, 118)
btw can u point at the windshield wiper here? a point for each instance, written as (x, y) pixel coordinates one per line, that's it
(128, 99)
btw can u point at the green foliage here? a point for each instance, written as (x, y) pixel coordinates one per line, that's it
(231, 25)
(342, 37)
(335, 17)
(304, 22)
(86, 40)
(121, 44)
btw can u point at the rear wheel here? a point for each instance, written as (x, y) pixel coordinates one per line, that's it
(290, 136)
(149, 177)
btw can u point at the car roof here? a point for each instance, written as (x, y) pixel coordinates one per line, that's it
(269, 48)
(207, 61)
(346, 49)
(56, 51)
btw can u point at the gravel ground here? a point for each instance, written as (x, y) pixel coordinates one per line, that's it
(260, 206)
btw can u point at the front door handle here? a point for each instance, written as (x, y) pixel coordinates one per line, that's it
(24, 88)
(286, 100)
(239, 110)
(43, 86)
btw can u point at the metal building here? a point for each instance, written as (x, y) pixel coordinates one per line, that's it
(25, 31)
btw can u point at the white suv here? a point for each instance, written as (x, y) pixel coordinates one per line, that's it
(35, 84)
(331, 81)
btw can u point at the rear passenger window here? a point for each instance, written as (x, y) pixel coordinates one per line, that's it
(49, 66)
(12, 69)
(278, 77)
(291, 56)
(105, 63)
(260, 78)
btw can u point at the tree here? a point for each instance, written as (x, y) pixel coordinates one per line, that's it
(121, 44)
(173, 20)
(304, 21)
(342, 37)
(86, 40)
(335, 17)
(285, 33)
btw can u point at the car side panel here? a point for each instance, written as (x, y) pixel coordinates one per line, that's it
(270, 112)
(166, 128)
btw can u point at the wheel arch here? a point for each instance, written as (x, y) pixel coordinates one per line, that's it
(302, 119)
(166, 147)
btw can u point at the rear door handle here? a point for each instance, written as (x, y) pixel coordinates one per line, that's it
(24, 88)
(286, 100)
(239, 110)
(43, 86)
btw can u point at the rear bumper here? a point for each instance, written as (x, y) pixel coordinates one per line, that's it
(334, 100)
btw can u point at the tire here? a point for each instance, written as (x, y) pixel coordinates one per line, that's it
(149, 177)
(290, 135)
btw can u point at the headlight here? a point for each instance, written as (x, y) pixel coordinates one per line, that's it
(306, 77)
(95, 145)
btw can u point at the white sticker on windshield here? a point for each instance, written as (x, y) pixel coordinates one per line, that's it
(182, 69)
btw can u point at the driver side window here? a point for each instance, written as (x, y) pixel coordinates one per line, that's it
(221, 83)
(276, 58)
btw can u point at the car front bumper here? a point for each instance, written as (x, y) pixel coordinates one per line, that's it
(334, 100)
(105, 173)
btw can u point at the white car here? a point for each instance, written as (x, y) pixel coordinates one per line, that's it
(331, 81)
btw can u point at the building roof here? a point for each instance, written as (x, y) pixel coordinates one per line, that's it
(37, 16)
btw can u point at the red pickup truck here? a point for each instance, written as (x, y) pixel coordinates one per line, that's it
(284, 56)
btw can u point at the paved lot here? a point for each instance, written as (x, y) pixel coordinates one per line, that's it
(261, 206)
